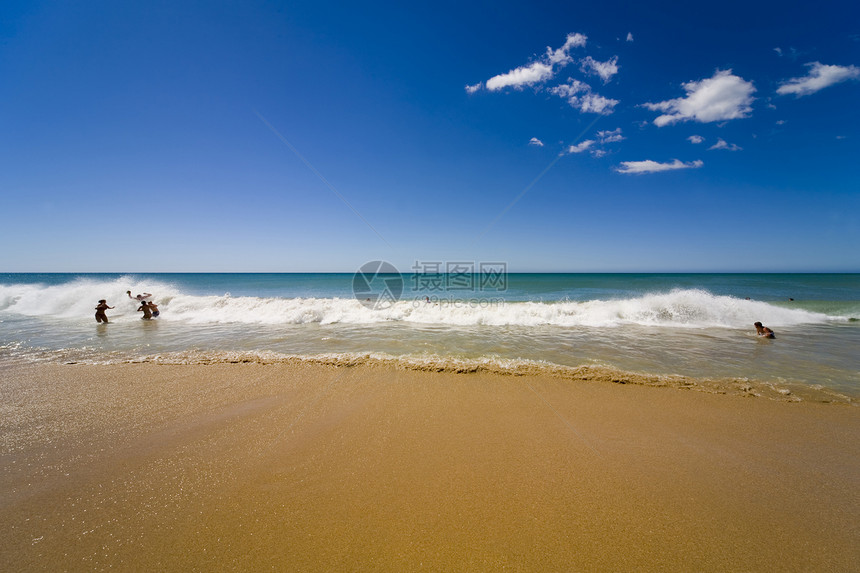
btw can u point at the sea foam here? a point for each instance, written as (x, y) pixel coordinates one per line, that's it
(681, 308)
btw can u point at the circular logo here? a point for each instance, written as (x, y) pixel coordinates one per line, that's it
(377, 285)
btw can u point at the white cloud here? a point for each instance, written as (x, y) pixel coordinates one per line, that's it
(605, 69)
(819, 77)
(537, 72)
(778, 51)
(570, 89)
(610, 136)
(536, 141)
(598, 153)
(721, 97)
(696, 139)
(580, 147)
(648, 166)
(562, 55)
(721, 144)
(780, 122)
(579, 95)
(522, 76)
(629, 37)
(593, 103)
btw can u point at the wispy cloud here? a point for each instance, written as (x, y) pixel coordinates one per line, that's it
(562, 55)
(605, 69)
(629, 37)
(721, 144)
(535, 141)
(648, 166)
(570, 89)
(696, 139)
(536, 72)
(610, 136)
(719, 98)
(819, 77)
(579, 95)
(580, 147)
(594, 103)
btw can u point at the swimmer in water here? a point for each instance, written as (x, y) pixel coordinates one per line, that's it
(100, 311)
(147, 314)
(763, 330)
(154, 308)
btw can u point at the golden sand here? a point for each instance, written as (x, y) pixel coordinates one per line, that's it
(319, 467)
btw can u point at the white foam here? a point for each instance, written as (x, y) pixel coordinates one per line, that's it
(75, 299)
(689, 308)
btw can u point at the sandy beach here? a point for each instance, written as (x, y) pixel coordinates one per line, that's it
(317, 467)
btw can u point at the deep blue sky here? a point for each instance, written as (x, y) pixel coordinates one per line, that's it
(134, 136)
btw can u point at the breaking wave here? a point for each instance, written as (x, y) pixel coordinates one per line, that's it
(682, 308)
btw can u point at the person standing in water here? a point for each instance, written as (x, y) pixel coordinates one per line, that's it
(100, 311)
(154, 308)
(762, 330)
(144, 306)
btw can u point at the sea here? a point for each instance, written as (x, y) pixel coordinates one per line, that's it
(691, 325)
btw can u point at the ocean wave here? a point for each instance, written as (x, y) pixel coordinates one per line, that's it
(681, 308)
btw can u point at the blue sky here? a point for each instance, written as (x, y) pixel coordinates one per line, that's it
(306, 136)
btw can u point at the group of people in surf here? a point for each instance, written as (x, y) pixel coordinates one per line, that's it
(150, 311)
(149, 308)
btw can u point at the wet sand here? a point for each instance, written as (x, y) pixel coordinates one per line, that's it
(317, 467)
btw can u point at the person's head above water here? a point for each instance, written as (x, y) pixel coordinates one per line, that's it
(758, 324)
(102, 300)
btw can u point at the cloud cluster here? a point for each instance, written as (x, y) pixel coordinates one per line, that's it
(537, 72)
(578, 94)
(594, 146)
(819, 77)
(610, 136)
(721, 97)
(648, 166)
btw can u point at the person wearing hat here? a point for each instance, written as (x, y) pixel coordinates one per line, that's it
(100, 311)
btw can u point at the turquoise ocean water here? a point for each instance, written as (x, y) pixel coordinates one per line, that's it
(697, 325)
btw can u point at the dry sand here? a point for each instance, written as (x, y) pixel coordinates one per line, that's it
(312, 467)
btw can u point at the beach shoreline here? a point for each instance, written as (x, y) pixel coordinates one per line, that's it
(303, 465)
